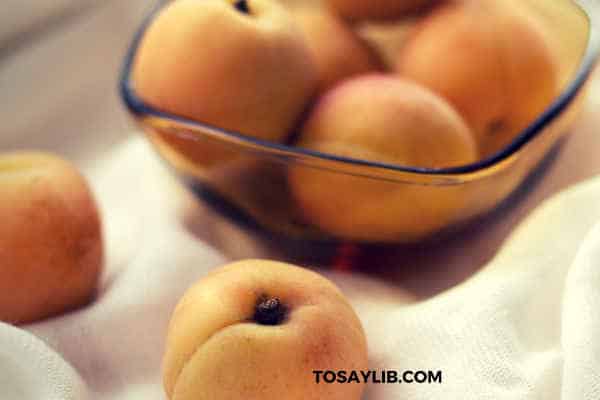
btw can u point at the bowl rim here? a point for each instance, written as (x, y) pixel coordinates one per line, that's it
(138, 107)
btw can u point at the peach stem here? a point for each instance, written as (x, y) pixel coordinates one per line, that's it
(269, 311)
(242, 5)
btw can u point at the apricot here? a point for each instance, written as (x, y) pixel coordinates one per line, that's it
(384, 119)
(492, 63)
(241, 66)
(258, 329)
(51, 249)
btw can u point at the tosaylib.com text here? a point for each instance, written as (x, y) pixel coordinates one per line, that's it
(377, 377)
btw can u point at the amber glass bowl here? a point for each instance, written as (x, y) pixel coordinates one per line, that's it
(248, 183)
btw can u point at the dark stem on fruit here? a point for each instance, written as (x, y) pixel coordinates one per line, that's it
(269, 311)
(242, 5)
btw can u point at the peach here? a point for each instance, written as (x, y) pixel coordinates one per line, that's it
(50, 237)
(490, 61)
(258, 329)
(376, 9)
(381, 118)
(241, 66)
(338, 51)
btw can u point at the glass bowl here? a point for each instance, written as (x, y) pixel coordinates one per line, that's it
(251, 186)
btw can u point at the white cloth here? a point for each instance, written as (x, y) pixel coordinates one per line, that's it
(524, 327)
(31, 370)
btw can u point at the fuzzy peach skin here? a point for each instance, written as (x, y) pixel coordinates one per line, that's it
(357, 10)
(50, 237)
(217, 350)
(245, 71)
(381, 118)
(490, 61)
(338, 51)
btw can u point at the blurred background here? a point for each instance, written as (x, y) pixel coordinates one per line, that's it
(59, 63)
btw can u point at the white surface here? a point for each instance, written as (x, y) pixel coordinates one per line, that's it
(523, 327)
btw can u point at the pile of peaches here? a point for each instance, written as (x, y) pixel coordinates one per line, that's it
(468, 77)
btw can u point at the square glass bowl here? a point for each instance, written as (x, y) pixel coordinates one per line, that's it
(251, 187)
